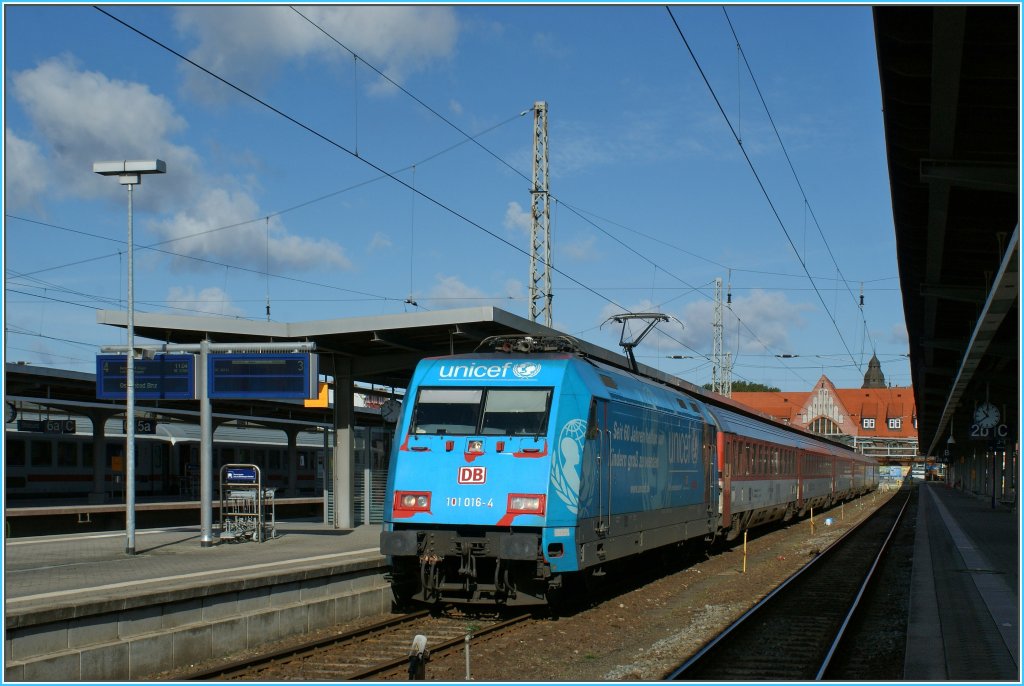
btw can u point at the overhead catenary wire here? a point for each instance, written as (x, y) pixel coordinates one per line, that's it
(785, 152)
(330, 141)
(341, 147)
(760, 183)
(497, 157)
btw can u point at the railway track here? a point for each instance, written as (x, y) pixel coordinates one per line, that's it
(794, 632)
(362, 653)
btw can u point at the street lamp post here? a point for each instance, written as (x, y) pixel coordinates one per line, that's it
(129, 173)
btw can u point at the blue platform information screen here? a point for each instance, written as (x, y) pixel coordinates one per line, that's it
(164, 377)
(240, 475)
(262, 375)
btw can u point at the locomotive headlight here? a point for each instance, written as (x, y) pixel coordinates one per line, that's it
(475, 446)
(412, 501)
(525, 503)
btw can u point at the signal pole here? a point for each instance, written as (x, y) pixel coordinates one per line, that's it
(540, 230)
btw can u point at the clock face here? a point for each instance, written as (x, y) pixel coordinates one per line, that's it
(987, 415)
(390, 410)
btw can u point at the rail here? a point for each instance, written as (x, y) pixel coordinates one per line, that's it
(794, 631)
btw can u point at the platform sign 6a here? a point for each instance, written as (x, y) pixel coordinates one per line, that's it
(164, 377)
(262, 375)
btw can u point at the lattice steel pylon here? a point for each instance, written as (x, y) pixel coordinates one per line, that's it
(717, 359)
(540, 230)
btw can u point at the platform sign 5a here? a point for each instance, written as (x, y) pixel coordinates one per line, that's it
(262, 375)
(164, 377)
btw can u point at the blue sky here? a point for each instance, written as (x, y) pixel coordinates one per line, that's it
(653, 199)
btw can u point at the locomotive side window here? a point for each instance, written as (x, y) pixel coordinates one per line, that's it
(447, 411)
(516, 412)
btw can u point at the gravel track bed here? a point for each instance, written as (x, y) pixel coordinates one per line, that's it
(644, 632)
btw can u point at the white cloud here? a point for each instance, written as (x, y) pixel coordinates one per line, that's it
(201, 236)
(518, 219)
(769, 315)
(380, 241)
(455, 106)
(208, 301)
(245, 43)
(580, 250)
(898, 335)
(80, 117)
(451, 292)
(24, 181)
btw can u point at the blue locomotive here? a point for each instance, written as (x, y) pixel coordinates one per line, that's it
(518, 470)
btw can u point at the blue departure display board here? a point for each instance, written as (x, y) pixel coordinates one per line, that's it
(164, 377)
(262, 375)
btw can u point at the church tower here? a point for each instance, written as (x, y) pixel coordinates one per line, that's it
(874, 378)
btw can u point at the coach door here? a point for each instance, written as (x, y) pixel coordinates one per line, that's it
(600, 434)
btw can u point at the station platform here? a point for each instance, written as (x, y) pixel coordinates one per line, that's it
(49, 572)
(77, 608)
(964, 620)
(964, 611)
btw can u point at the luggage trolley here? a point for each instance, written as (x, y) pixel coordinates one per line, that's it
(245, 504)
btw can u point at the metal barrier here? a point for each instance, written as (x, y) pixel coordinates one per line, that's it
(246, 507)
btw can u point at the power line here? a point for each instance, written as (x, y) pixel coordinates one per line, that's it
(344, 149)
(370, 296)
(760, 183)
(796, 177)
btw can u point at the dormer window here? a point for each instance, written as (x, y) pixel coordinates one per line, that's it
(868, 422)
(895, 423)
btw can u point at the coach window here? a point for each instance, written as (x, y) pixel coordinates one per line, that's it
(14, 455)
(87, 454)
(67, 454)
(447, 411)
(42, 454)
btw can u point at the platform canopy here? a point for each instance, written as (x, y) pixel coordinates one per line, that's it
(382, 349)
(950, 82)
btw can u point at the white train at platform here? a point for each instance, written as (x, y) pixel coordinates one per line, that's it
(41, 465)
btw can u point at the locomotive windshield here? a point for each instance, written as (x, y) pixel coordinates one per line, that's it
(479, 411)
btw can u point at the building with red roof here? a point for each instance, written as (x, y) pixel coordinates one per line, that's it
(877, 420)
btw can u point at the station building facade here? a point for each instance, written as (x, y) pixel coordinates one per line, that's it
(877, 420)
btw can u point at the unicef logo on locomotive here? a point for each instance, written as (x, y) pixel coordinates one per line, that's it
(567, 456)
(520, 370)
(526, 370)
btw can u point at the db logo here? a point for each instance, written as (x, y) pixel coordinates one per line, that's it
(472, 475)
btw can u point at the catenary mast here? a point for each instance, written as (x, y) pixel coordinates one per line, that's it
(540, 230)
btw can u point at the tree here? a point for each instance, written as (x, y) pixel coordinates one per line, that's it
(747, 387)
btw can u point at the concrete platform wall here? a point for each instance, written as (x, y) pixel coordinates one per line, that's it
(188, 627)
